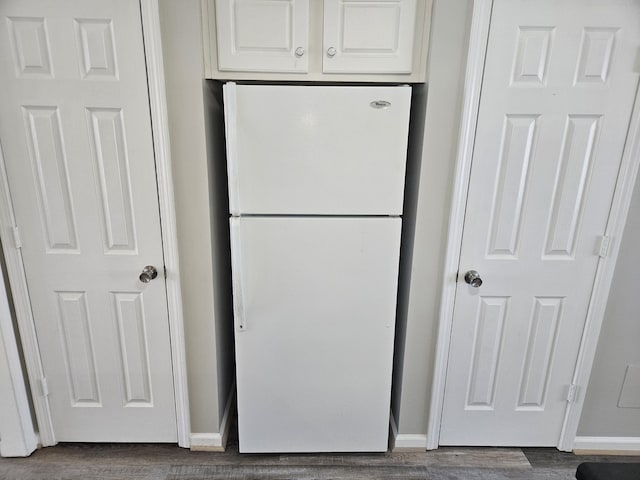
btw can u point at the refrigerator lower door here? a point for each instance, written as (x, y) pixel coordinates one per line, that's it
(315, 302)
(305, 150)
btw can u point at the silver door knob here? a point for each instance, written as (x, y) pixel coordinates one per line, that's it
(148, 273)
(299, 52)
(473, 278)
(331, 52)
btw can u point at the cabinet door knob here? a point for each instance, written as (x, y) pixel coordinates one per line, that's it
(299, 52)
(331, 52)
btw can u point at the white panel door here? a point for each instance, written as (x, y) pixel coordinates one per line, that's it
(76, 135)
(263, 35)
(557, 92)
(368, 36)
(314, 302)
(316, 149)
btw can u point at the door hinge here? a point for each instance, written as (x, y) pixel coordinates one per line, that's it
(17, 239)
(572, 394)
(603, 250)
(44, 386)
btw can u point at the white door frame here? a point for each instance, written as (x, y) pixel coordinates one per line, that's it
(15, 269)
(18, 437)
(604, 274)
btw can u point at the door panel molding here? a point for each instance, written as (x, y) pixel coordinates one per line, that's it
(13, 256)
(604, 274)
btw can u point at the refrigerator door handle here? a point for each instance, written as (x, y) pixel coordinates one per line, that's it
(236, 274)
(230, 119)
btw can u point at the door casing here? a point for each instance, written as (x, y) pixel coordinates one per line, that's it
(481, 19)
(13, 257)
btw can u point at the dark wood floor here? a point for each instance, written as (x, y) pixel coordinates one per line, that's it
(168, 462)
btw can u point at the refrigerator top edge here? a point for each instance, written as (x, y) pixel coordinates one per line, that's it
(315, 85)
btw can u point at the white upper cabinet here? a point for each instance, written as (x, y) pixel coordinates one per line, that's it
(316, 40)
(364, 36)
(263, 35)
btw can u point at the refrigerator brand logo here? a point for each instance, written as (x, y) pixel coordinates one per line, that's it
(380, 104)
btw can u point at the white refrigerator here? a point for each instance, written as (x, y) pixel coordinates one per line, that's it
(316, 186)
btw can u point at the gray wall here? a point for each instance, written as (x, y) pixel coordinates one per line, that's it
(412, 183)
(205, 314)
(619, 344)
(221, 248)
(205, 305)
(418, 324)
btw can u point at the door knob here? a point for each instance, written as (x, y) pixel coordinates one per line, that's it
(331, 52)
(299, 52)
(148, 273)
(473, 278)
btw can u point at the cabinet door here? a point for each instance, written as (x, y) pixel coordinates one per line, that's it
(368, 36)
(262, 35)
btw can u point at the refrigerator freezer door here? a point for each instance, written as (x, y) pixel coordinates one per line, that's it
(315, 302)
(328, 150)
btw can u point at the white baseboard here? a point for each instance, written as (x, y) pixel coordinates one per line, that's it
(406, 442)
(609, 445)
(206, 442)
(410, 442)
(215, 442)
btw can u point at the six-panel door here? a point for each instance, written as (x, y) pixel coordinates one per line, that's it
(557, 93)
(76, 136)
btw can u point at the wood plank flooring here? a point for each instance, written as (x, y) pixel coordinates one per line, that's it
(168, 462)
